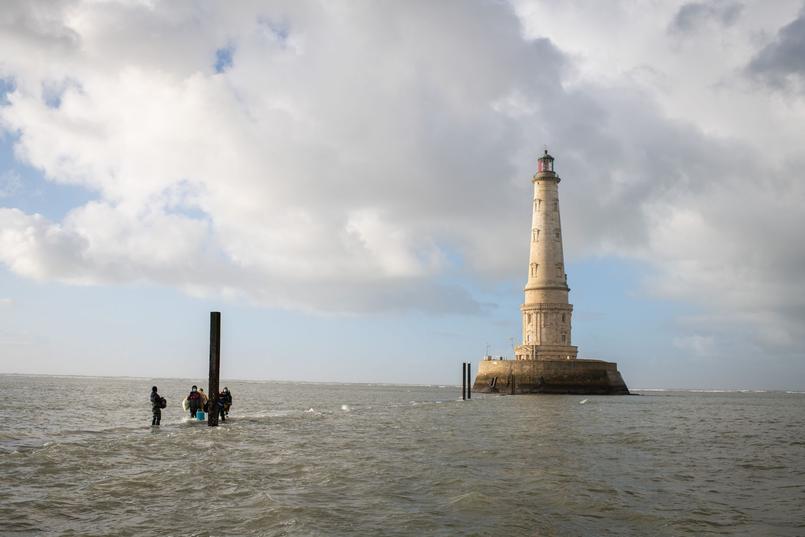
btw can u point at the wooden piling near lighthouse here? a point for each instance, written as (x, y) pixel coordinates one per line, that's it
(463, 381)
(469, 380)
(215, 367)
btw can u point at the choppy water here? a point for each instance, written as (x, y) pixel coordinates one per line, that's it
(78, 457)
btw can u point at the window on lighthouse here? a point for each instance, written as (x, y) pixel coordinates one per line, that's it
(534, 267)
(535, 235)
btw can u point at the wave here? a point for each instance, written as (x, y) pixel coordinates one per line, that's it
(708, 390)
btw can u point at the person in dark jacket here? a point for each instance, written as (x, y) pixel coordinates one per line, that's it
(224, 402)
(194, 401)
(156, 406)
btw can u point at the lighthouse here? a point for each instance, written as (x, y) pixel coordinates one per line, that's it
(546, 311)
(547, 361)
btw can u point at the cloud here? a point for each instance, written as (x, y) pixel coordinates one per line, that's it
(781, 63)
(694, 15)
(316, 149)
(336, 158)
(38, 249)
(696, 344)
(668, 173)
(39, 25)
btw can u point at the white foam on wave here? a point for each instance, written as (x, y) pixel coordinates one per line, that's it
(583, 401)
(345, 408)
(260, 414)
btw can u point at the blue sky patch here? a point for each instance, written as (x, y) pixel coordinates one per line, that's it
(7, 86)
(223, 58)
(25, 188)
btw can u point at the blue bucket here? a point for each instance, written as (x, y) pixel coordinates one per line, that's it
(200, 415)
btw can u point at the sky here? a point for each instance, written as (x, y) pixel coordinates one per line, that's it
(349, 183)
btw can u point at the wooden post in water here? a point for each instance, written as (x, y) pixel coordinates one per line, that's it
(215, 367)
(463, 381)
(469, 380)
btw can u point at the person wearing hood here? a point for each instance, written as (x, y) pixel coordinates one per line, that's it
(194, 401)
(224, 402)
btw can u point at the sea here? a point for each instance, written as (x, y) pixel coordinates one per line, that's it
(78, 456)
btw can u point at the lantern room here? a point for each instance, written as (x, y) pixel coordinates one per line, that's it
(545, 163)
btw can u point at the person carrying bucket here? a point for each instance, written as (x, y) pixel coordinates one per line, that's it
(204, 400)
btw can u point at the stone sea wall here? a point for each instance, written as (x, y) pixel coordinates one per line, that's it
(583, 377)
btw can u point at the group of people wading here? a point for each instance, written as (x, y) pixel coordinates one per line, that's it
(197, 401)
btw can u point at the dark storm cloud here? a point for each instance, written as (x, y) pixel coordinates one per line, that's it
(781, 63)
(694, 15)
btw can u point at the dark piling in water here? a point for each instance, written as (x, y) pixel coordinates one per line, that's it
(215, 366)
(463, 381)
(469, 380)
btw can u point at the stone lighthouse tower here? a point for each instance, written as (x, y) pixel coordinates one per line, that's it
(546, 361)
(546, 311)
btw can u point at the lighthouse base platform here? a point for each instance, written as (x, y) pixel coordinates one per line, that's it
(574, 376)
